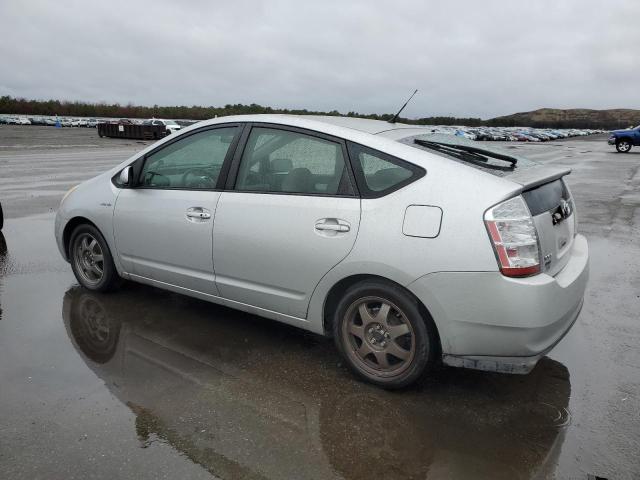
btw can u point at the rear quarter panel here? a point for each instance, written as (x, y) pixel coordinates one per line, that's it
(462, 244)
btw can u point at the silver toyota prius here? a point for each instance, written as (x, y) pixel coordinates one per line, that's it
(410, 248)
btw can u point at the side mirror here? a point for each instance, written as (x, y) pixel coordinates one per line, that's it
(126, 175)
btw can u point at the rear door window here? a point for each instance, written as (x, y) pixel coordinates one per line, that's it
(283, 161)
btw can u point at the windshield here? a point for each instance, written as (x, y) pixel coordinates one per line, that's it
(170, 122)
(499, 161)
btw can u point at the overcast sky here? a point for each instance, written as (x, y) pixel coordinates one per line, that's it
(468, 58)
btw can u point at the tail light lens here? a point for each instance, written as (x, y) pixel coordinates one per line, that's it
(514, 237)
(572, 209)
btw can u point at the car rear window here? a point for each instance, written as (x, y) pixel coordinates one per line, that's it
(492, 166)
(545, 197)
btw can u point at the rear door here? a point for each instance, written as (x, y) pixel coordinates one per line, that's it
(291, 216)
(163, 226)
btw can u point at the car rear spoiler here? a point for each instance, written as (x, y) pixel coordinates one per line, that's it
(533, 177)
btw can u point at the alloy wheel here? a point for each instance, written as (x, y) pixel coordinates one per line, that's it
(89, 258)
(378, 337)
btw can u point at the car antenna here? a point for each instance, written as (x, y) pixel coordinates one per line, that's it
(395, 117)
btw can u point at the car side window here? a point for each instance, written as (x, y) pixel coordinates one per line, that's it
(381, 173)
(193, 162)
(291, 162)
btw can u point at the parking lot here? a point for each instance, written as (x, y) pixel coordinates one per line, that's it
(144, 383)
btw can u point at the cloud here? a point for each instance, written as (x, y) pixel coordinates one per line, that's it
(466, 58)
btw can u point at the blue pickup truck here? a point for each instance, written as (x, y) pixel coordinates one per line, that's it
(625, 139)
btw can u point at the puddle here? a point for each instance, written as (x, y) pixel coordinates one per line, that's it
(148, 374)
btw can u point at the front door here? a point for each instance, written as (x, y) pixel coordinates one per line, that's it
(163, 225)
(290, 218)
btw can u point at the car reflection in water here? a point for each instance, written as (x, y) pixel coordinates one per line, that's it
(249, 398)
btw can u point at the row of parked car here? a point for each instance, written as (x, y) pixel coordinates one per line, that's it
(515, 134)
(170, 125)
(49, 121)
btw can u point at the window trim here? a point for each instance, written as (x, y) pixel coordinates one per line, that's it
(139, 162)
(365, 192)
(232, 178)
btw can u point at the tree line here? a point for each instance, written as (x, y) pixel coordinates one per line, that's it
(22, 106)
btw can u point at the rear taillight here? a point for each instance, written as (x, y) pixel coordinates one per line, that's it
(514, 237)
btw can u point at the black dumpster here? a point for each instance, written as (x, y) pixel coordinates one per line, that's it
(138, 132)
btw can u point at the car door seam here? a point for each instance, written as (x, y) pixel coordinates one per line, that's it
(353, 245)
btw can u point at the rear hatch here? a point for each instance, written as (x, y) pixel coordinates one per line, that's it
(543, 189)
(553, 213)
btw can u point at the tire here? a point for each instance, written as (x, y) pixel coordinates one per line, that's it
(1, 218)
(623, 145)
(91, 260)
(382, 335)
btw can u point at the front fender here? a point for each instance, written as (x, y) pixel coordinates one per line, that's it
(95, 201)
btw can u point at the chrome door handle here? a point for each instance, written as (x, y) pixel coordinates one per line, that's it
(198, 212)
(198, 215)
(332, 227)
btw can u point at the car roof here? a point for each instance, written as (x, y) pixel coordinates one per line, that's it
(364, 125)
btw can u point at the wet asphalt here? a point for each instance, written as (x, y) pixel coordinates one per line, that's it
(148, 384)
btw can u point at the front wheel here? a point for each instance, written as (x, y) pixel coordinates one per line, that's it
(381, 333)
(623, 146)
(91, 260)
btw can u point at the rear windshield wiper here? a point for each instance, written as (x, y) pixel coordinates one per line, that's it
(474, 155)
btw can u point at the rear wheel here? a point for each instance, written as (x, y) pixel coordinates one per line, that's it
(381, 333)
(91, 260)
(623, 146)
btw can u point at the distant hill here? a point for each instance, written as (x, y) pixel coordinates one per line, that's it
(571, 118)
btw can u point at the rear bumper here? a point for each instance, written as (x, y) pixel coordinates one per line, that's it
(491, 322)
(515, 365)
